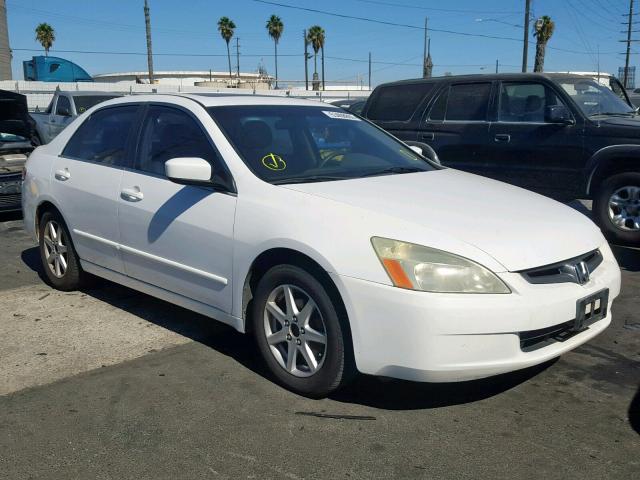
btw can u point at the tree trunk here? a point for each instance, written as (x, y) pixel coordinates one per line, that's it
(315, 63)
(540, 51)
(276, 46)
(229, 58)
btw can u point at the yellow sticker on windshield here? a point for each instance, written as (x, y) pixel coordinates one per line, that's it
(274, 162)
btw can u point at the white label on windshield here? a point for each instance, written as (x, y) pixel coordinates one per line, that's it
(340, 115)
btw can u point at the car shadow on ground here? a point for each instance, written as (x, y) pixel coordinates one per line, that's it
(628, 257)
(367, 390)
(634, 412)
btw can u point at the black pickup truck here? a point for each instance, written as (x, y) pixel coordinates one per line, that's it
(561, 135)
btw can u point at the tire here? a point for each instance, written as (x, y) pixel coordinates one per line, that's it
(314, 310)
(623, 190)
(68, 278)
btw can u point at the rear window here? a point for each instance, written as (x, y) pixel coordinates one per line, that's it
(398, 102)
(85, 102)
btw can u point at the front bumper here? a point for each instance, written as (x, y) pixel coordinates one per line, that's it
(454, 337)
(10, 198)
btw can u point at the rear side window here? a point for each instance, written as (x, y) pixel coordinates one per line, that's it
(398, 102)
(102, 137)
(468, 102)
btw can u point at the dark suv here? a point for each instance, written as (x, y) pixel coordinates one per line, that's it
(562, 135)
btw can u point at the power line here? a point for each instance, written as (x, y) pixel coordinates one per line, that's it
(435, 9)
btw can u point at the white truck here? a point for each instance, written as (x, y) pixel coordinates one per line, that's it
(63, 108)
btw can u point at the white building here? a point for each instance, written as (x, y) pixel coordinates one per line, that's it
(191, 78)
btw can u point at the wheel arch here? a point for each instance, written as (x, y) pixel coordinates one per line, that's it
(611, 160)
(45, 206)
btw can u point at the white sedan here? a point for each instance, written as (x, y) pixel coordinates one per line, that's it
(338, 247)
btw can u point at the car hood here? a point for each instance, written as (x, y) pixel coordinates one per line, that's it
(14, 116)
(622, 121)
(518, 228)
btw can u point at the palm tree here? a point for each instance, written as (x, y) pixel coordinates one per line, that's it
(46, 36)
(275, 27)
(542, 30)
(315, 36)
(226, 28)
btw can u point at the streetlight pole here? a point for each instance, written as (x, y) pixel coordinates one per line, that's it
(525, 47)
(147, 21)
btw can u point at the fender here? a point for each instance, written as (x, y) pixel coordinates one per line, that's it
(606, 155)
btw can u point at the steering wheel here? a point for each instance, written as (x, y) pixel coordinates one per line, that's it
(331, 157)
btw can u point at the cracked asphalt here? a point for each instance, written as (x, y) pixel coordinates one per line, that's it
(109, 383)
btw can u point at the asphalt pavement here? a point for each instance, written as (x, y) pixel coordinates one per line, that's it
(110, 383)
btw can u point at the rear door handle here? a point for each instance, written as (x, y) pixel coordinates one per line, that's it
(131, 194)
(62, 175)
(502, 137)
(427, 136)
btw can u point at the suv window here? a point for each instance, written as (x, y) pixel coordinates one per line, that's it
(103, 136)
(171, 133)
(63, 107)
(398, 102)
(525, 102)
(468, 102)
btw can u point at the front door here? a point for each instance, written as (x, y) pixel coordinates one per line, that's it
(530, 152)
(176, 237)
(457, 126)
(86, 182)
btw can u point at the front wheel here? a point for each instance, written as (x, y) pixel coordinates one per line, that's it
(299, 333)
(616, 208)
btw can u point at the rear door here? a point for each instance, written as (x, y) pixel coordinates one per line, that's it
(177, 237)
(527, 150)
(86, 182)
(398, 108)
(457, 126)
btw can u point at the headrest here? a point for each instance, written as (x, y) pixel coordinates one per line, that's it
(534, 103)
(256, 134)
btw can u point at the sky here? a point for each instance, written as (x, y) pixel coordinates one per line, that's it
(185, 35)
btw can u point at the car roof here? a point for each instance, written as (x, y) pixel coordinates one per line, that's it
(487, 77)
(217, 99)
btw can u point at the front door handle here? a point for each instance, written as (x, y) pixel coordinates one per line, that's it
(131, 194)
(62, 175)
(502, 138)
(427, 136)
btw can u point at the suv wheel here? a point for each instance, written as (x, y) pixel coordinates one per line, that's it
(59, 258)
(299, 333)
(616, 208)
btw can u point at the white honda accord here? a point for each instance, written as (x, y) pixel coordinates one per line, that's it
(337, 246)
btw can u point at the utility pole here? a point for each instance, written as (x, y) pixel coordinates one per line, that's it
(525, 47)
(147, 21)
(369, 70)
(306, 60)
(322, 55)
(424, 50)
(626, 61)
(238, 57)
(497, 64)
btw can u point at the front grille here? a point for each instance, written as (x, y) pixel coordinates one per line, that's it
(575, 270)
(10, 201)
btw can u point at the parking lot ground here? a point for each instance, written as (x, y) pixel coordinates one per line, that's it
(110, 383)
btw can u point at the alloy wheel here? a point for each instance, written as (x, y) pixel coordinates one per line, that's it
(624, 208)
(295, 330)
(55, 250)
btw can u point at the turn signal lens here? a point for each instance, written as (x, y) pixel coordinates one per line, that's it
(416, 267)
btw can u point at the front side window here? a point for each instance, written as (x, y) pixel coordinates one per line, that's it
(171, 133)
(398, 102)
(287, 144)
(594, 99)
(103, 136)
(63, 107)
(525, 102)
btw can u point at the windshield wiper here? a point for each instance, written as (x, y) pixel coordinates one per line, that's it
(392, 170)
(309, 179)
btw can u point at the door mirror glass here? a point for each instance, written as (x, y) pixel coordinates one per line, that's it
(64, 112)
(558, 114)
(188, 171)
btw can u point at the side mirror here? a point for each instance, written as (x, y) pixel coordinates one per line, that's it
(423, 149)
(64, 112)
(188, 171)
(558, 114)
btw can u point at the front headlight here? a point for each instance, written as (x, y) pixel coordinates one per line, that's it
(429, 270)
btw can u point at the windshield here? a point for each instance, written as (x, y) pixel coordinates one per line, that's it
(85, 102)
(593, 98)
(294, 144)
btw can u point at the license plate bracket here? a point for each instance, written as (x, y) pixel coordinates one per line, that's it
(590, 309)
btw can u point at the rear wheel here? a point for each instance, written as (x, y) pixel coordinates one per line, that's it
(616, 208)
(299, 332)
(59, 258)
